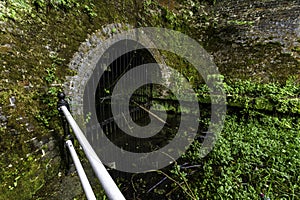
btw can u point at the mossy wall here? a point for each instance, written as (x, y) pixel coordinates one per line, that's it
(37, 41)
(39, 37)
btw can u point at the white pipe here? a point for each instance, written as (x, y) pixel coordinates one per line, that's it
(83, 178)
(108, 184)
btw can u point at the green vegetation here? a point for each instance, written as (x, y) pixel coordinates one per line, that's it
(237, 22)
(18, 10)
(256, 153)
(37, 40)
(251, 95)
(258, 150)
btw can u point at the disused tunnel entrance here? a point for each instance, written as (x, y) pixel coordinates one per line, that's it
(111, 67)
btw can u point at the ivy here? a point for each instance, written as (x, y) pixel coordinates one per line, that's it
(283, 98)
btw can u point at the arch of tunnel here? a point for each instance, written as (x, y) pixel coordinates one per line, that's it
(109, 63)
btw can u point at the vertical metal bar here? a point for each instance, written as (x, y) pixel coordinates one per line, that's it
(107, 128)
(114, 126)
(141, 97)
(83, 178)
(101, 92)
(142, 91)
(138, 98)
(119, 73)
(132, 79)
(140, 74)
(110, 128)
(108, 72)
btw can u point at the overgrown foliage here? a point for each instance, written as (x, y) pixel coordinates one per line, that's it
(257, 152)
(254, 154)
(251, 95)
(37, 39)
(18, 10)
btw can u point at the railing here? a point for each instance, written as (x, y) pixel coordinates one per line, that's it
(108, 184)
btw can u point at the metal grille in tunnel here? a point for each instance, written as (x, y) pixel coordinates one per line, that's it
(139, 101)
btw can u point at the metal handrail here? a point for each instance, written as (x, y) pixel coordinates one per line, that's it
(82, 176)
(108, 184)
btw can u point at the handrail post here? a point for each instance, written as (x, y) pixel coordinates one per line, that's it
(62, 102)
(111, 189)
(67, 136)
(69, 150)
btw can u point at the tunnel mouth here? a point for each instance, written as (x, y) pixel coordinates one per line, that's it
(99, 74)
(112, 66)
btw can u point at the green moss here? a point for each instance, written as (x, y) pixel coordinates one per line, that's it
(37, 40)
(238, 22)
(34, 56)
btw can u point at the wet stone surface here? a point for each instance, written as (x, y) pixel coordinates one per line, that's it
(252, 39)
